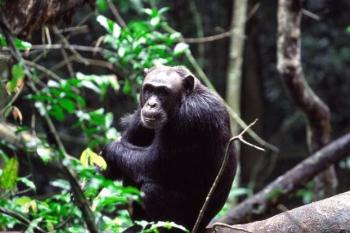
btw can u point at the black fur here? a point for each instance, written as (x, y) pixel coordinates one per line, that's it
(175, 166)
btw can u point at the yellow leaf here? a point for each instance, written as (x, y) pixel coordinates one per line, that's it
(90, 158)
(99, 161)
(84, 157)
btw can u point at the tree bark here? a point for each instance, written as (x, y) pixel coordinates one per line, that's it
(329, 215)
(234, 71)
(289, 66)
(257, 206)
(21, 17)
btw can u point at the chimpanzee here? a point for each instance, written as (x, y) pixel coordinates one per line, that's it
(172, 147)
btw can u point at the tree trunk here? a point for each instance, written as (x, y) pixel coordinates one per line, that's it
(291, 71)
(234, 70)
(21, 17)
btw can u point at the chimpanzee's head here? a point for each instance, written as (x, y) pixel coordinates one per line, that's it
(163, 90)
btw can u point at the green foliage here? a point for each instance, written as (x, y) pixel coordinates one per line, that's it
(274, 194)
(307, 193)
(8, 178)
(95, 124)
(61, 99)
(348, 29)
(102, 5)
(19, 44)
(58, 213)
(17, 73)
(142, 44)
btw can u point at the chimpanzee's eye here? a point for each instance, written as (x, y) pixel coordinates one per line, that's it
(163, 91)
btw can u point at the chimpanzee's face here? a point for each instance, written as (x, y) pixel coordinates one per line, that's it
(162, 93)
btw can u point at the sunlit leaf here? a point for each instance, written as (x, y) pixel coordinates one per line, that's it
(9, 176)
(60, 183)
(19, 44)
(180, 48)
(17, 73)
(44, 153)
(90, 158)
(30, 184)
(111, 26)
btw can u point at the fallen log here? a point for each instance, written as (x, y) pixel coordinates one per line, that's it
(329, 215)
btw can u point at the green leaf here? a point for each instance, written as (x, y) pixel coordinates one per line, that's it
(19, 44)
(57, 113)
(102, 5)
(44, 153)
(22, 200)
(9, 176)
(60, 183)
(67, 105)
(111, 26)
(30, 184)
(22, 45)
(3, 41)
(127, 87)
(275, 193)
(17, 72)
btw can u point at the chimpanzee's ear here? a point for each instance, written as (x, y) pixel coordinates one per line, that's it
(189, 83)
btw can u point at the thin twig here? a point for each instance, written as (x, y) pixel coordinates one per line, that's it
(83, 28)
(223, 35)
(310, 14)
(43, 69)
(13, 99)
(116, 14)
(220, 173)
(20, 218)
(70, 46)
(66, 42)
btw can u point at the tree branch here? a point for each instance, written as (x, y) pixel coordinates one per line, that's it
(256, 206)
(20, 218)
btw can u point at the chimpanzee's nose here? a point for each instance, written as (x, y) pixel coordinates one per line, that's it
(151, 103)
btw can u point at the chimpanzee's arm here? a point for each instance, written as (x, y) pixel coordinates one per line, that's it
(126, 160)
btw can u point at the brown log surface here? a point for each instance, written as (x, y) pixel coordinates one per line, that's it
(329, 215)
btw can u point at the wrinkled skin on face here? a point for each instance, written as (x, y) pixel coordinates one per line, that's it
(162, 91)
